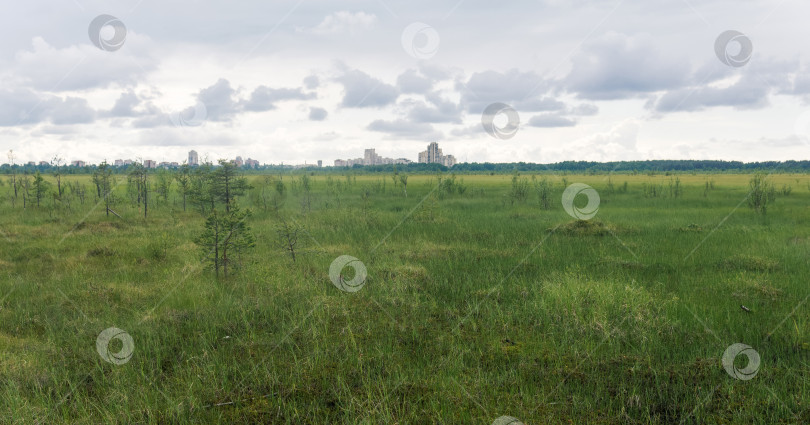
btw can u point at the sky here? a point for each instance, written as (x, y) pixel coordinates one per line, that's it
(291, 81)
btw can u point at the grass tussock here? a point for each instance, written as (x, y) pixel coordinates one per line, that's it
(585, 228)
(691, 228)
(100, 252)
(751, 263)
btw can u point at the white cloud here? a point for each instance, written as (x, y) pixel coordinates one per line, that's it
(344, 22)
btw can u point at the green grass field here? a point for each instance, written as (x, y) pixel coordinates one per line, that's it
(474, 307)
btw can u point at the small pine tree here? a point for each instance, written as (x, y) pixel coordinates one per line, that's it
(227, 183)
(183, 178)
(57, 174)
(163, 185)
(201, 189)
(238, 236)
(403, 178)
(139, 181)
(24, 181)
(102, 177)
(225, 237)
(40, 187)
(288, 234)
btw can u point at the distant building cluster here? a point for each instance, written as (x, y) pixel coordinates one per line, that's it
(305, 165)
(434, 155)
(193, 160)
(370, 157)
(250, 163)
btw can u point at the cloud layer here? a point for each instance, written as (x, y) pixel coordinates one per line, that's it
(288, 81)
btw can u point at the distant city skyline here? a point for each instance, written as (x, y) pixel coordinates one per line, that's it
(433, 154)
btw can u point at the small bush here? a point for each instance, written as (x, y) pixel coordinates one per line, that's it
(520, 189)
(762, 193)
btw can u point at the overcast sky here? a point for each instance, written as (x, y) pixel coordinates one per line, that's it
(293, 81)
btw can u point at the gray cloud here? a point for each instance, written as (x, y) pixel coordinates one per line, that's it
(53, 81)
(747, 93)
(402, 129)
(21, 107)
(551, 120)
(125, 105)
(411, 82)
(317, 114)
(617, 66)
(437, 110)
(263, 98)
(362, 90)
(49, 68)
(584, 109)
(219, 100)
(312, 82)
(25, 107)
(72, 110)
(512, 87)
(699, 99)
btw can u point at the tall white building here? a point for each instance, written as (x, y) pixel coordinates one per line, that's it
(193, 158)
(370, 157)
(434, 155)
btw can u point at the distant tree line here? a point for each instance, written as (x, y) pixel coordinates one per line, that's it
(658, 166)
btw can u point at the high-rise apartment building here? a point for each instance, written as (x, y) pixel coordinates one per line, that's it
(434, 154)
(371, 158)
(193, 159)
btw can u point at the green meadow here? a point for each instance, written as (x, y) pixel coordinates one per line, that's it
(480, 301)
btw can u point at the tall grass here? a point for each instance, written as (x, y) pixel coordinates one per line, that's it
(474, 308)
